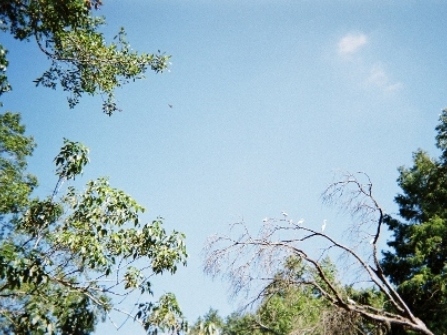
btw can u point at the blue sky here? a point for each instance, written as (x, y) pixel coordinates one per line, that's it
(269, 99)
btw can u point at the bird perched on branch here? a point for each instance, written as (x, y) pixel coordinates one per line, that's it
(323, 227)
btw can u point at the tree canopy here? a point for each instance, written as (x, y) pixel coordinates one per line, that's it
(65, 258)
(81, 61)
(286, 307)
(416, 262)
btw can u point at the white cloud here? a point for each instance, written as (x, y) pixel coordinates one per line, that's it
(351, 43)
(394, 87)
(379, 78)
(364, 67)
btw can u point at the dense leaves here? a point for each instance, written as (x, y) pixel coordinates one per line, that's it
(16, 185)
(417, 261)
(210, 324)
(287, 308)
(64, 258)
(164, 316)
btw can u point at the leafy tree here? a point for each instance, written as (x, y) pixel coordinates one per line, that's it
(210, 324)
(81, 61)
(58, 254)
(241, 324)
(64, 258)
(164, 315)
(417, 260)
(287, 307)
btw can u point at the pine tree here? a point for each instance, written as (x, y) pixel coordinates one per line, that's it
(417, 261)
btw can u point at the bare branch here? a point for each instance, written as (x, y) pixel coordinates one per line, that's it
(248, 260)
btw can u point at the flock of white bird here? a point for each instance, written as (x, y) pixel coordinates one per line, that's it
(301, 221)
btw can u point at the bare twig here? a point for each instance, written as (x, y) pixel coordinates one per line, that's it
(245, 259)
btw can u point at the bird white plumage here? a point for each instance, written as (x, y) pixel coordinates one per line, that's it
(323, 227)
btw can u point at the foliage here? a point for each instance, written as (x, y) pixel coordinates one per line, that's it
(210, 324)
(289, 308)
(416, 262)
(64, 259)
(81, 61)
(165, 316)
(58, 253)
(241, 324)
(15, 184)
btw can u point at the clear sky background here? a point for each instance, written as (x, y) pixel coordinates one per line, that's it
(269, 97)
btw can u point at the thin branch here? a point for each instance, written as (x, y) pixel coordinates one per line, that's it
(244, 254)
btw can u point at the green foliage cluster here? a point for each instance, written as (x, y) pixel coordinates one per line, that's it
(63, 259)
(81, 60)
(165, 316)
(288, 308)
(417, 260)
(210, 324)
(16, 185)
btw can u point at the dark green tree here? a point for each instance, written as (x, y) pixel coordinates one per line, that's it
(65, 257)
(417, 260)
(210, 324)
(287, 306)
(241, 324)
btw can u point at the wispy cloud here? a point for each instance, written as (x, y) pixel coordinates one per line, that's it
(379, 78)
(351, 43)
(362, 65)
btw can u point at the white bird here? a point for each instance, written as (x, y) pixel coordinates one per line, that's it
(300, 222)
(265, 219)
(284, 213)
(372, 241)
(323, 227)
